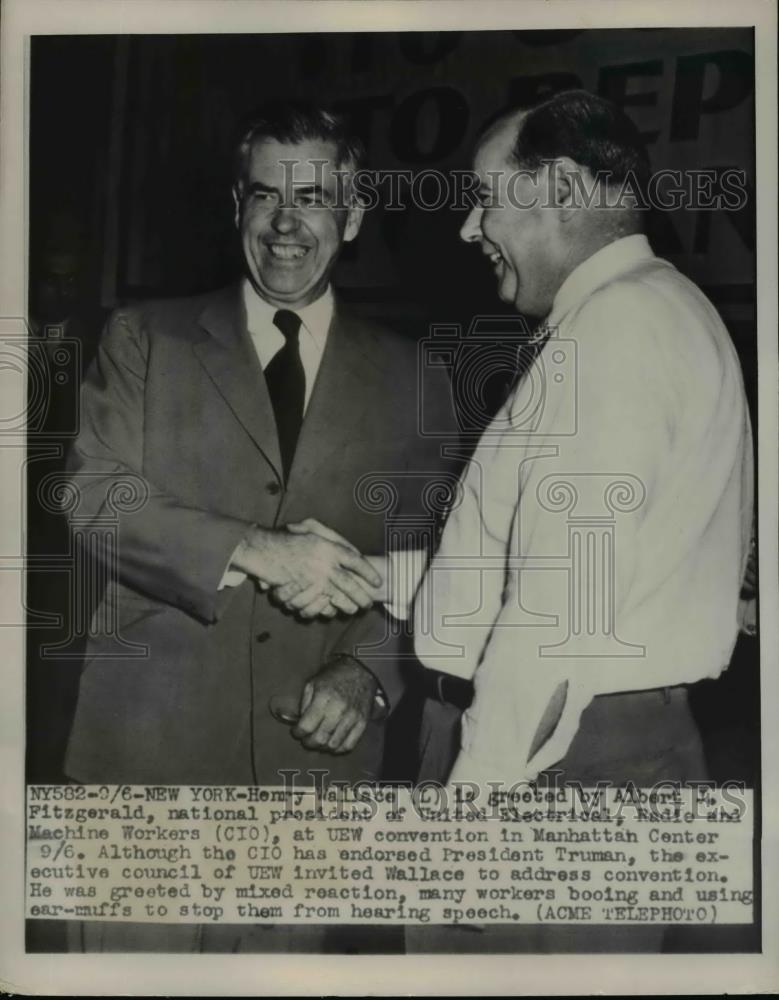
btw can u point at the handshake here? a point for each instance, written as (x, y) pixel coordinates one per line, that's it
(311, 570)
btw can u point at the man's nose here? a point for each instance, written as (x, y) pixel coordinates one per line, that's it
(285, 220)
(471, 228)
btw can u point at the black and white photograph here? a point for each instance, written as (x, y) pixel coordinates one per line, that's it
(390, 440)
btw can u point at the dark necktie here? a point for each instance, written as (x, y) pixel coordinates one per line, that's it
(286, 382)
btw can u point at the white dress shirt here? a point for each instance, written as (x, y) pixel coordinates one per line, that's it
(268, 340)
(548, 570)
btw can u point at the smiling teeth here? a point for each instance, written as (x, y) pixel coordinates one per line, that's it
(495, 257)
(285, 252)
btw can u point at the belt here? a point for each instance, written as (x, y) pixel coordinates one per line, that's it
(459, 692)
(445, 688)
(665, 693)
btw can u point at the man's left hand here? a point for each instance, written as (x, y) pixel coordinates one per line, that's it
(336, 706)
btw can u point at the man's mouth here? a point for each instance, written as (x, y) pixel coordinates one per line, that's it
(287, 251)
(495, 258)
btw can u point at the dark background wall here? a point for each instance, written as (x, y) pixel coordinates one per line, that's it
(130, 186)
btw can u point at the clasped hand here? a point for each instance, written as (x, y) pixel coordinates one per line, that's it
(355, 585)
(311, 570)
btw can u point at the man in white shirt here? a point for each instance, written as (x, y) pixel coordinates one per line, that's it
(591, 563)
(591, 566)
(623, 513)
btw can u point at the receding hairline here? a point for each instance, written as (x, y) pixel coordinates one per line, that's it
(347, 163)
(511, 122)
(266, 140)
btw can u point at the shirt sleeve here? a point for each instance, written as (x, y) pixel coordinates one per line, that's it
(405, 570)
(232, 577)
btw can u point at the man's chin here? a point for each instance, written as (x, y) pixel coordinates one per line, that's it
(284, 294)
(507, 295)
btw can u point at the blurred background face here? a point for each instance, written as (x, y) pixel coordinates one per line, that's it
(55, 287)
(57, 269)
(292, 221)
(516, 227)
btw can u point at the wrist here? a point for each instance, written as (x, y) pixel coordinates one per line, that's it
(253, 554)
(380, 702)
(240, 559)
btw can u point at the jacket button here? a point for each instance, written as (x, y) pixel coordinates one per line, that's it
(273, 488)
(262, 636)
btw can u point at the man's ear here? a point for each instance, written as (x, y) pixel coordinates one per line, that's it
(237, 204)
(572, 186)
(353, 220)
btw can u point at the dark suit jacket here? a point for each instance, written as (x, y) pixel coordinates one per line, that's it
(177, 402)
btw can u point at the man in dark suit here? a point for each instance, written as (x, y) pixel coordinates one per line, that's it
(225, 417)
(207, 425)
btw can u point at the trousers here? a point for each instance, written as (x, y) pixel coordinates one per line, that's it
(642, 737)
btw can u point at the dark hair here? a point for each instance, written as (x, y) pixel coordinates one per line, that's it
(295, 122)
(590, 130)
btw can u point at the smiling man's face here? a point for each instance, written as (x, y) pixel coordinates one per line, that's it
(292, 221)
(516, 227)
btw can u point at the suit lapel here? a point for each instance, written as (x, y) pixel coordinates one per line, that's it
(341, 395)
(228, 356)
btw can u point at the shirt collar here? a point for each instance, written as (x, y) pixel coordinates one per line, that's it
(605, 264)
(315, 317)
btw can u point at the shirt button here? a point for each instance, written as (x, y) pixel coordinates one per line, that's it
(262, 636)
(273, 488)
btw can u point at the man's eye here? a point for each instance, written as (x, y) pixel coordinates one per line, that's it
(311, 201)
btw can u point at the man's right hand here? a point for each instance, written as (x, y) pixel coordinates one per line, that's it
(321, 571)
